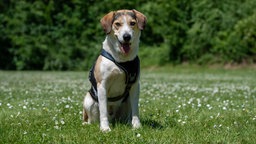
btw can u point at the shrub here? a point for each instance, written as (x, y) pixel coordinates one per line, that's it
(66, 35)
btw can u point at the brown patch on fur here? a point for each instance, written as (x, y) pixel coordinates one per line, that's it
(141, 19)
(85, 116)
(118, 19)
(106, 22)
(97, 73)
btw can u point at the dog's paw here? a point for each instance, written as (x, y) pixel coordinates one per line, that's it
(105, 129)
(86, 123)
(136, 123)
(104, 126)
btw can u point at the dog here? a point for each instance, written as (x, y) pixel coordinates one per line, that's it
(114, 94)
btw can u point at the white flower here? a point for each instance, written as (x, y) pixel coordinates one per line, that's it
(54, 118)
(56, 127)
(18, 114)
(24, 107)
(62, 122)
(9, 105)
(67, 106)
(138, 135)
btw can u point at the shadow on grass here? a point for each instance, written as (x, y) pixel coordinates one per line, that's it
(144, 122)
(152, 124)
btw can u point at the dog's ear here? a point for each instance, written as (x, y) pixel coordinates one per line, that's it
(141, 19)
(106, 22)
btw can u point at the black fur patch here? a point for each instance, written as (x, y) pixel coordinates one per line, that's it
(118, 14)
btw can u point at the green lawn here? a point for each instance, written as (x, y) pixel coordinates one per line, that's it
(176, 106)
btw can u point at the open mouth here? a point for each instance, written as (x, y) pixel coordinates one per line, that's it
(125, 47)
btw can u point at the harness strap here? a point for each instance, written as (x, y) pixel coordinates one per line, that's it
(131, 76)
(109, 56)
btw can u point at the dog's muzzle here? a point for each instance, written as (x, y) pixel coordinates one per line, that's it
(127, 37)
(125, 46)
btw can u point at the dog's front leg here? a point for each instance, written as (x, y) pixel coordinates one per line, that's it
(102, 95)
(134, 99)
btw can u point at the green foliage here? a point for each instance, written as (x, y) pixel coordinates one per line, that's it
(66, 35)
(241, 41)
(49, 35)
(155, 55)
(217, 30)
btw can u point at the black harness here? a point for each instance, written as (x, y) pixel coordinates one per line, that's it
(131, 69)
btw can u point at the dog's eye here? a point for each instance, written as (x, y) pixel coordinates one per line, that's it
(118, 24)
(132, 23)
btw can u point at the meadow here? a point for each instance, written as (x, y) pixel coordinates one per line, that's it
(177, 105)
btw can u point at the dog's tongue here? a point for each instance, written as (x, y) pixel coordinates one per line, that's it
(126, 47)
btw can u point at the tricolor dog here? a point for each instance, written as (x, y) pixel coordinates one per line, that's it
(114, 93)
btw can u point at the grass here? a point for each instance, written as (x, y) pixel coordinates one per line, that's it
(176, 106)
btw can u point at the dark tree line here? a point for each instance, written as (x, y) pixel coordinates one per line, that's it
(66, 34)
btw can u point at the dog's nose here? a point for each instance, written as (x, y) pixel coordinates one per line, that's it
(127, 37)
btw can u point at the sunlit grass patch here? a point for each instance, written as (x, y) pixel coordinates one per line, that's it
(176, 106)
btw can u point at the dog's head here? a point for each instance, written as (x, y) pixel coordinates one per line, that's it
(124, 26)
